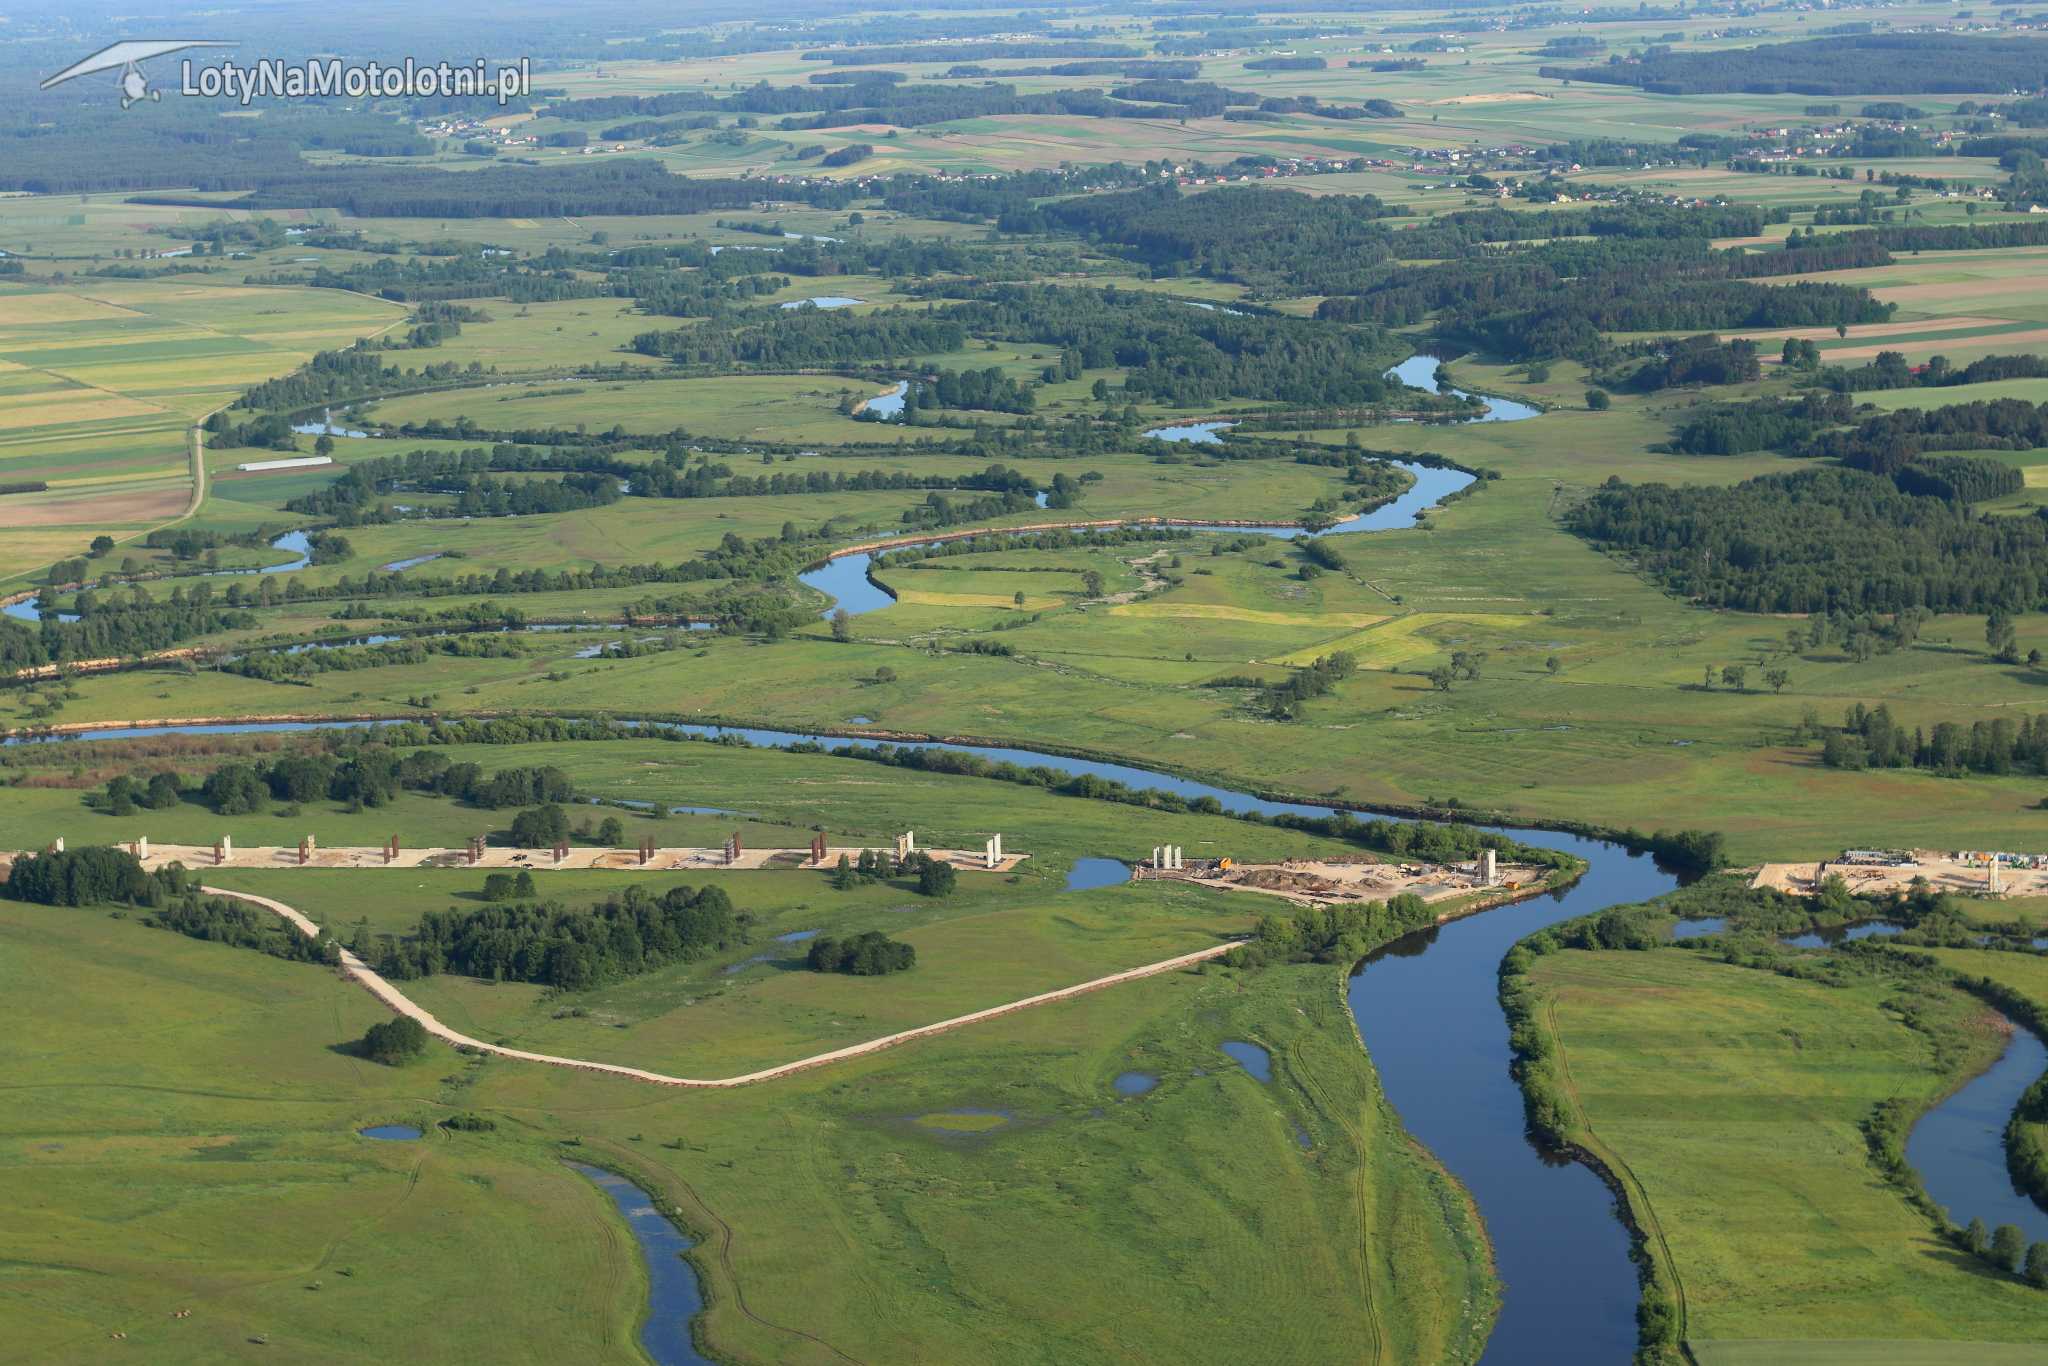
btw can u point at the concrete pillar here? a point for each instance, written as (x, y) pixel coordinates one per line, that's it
(1173, 857)
(1489, 868)
(1158, 858)
(142, 846)
(992, 855)
(817, 851)
(59, 845)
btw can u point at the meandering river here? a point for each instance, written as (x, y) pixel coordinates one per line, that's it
(1426, 1009)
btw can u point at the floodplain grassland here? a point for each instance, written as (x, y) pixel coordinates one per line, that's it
(988, 1195)
(181, 1136)
(999, 938)
(1751, 1159)
(1265, 1198)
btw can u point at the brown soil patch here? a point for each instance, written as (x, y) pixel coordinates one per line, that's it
(105, 510)
(1873, 329)
(1999, 339)
(1950, 289)
(1497, 97)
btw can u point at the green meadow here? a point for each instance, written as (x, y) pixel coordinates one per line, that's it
(1007, 1141)
(1750, 1160)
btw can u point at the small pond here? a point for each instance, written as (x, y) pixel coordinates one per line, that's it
(1251, 1058)
(326, 427)
(1701, 928)
(1134, 1083)
(31, 610)
(411, 562)
(392, 1133)
(1195, 433)
(1839, 934)
(824, 301)
(796, 936)
(889, 405)
(1097, 872)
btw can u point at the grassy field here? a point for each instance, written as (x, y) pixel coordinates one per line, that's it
(183, 1137)
(1290, 1216)
(1751, 1159)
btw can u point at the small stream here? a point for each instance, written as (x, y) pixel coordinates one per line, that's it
(844, 578)
(1958, 1147)
(1419, 372)
(294, 543)
(673, 1295)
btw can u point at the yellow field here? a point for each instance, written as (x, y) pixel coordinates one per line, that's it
(1217, 611)
(1412, 637)
(922, 598)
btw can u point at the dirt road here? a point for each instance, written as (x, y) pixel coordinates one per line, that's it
(391, 996)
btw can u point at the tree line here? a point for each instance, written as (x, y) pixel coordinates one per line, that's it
(1870, 738)
(1850, 64)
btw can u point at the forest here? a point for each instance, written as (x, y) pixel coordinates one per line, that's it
(1558, 299)
(113, 626)
(572, 948)
(1820, 540)
(1184, 356)
(625, 186)
(1862, 64)
(1891, 440)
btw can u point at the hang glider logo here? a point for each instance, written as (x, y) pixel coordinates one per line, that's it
(127, 58)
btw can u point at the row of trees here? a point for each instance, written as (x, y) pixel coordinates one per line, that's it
(366, 775)
(1870, 738)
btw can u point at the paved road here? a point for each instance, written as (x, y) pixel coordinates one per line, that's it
(399, 1002)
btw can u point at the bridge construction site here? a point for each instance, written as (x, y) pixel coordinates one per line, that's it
(1335, 882)
(733, 856)
(1967, 872)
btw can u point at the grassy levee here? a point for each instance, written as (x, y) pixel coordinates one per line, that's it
(1748, 1166)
